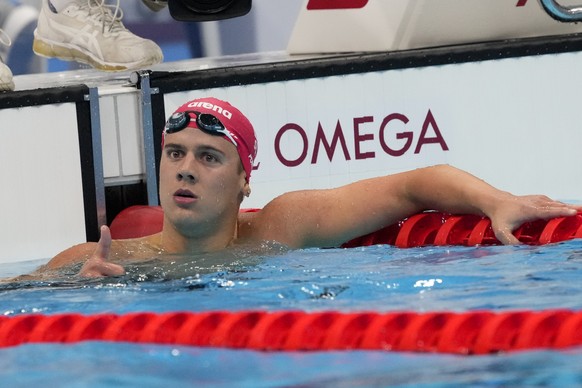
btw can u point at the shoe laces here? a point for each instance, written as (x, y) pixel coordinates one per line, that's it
(108, 14)
(5, 42)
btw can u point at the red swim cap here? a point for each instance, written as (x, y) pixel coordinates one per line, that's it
(238, 127)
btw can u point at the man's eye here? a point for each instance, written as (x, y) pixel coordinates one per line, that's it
(209, 158)
(174, 154)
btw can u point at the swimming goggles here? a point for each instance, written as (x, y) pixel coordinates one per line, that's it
(204, 121)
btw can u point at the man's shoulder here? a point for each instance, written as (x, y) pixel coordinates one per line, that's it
(73, 255)
(135, 248)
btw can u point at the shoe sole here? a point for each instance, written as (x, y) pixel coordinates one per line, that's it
(53, 50)
(156, 7)
(6, 87)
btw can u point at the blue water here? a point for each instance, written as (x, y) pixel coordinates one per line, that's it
(378, 278)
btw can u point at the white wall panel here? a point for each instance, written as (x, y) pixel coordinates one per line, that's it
(130, 134)
(121, 136)
(41, 199)
(110, 137)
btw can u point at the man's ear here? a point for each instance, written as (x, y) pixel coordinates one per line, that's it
(247, 189)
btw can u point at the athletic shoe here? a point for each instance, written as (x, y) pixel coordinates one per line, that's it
(155, 5)
(19, 24)
(6, 81)
(91, 32)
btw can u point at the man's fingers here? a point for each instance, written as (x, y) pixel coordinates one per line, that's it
(98, 265)
(97, 268)
(506, 237)
(555, 212)
(546, 208)
(109, 269)
(104, 244)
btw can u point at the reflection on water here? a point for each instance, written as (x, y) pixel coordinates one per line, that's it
(161, 268)
(378, 278)
(168, 267)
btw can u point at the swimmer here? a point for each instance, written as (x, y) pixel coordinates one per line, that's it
(205, 172)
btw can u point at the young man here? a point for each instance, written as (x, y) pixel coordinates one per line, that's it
(205, 170)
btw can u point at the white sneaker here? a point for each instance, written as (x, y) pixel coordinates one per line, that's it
(90, 32)
(19, 25)
(6, 81)
(155, 5)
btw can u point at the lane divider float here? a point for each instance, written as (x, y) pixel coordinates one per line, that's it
(468, 333)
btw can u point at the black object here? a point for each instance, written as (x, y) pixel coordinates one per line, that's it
(208, 10)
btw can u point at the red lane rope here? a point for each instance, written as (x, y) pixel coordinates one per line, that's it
(435, 228)
(479, 332)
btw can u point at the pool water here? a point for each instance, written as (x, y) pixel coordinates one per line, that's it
(376, 278)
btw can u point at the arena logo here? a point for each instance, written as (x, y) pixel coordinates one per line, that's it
(212, 107)
(393, 140)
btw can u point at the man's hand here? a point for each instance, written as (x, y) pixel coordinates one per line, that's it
(513, 212)
(97, 265)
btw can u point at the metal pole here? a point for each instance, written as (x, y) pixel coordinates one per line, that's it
(97, 156)
(562, 13)
(148, 138)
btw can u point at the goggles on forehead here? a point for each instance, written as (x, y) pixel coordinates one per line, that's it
(204, 121)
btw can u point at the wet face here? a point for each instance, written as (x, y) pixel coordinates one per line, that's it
(201, 181)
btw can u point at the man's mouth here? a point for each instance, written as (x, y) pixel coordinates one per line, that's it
(183, 195)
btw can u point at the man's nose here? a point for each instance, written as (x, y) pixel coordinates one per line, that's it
(185, 175)
(187, 171)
